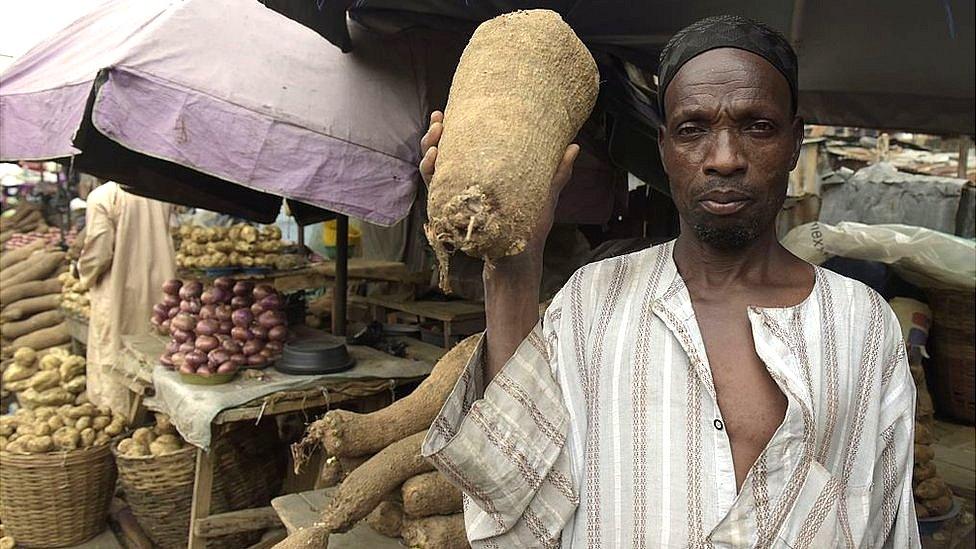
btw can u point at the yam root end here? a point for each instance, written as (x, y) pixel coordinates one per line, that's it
(469, 222)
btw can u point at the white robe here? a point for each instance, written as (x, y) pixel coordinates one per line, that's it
(127, 255)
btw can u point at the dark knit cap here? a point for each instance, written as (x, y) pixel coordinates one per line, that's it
(726, 31)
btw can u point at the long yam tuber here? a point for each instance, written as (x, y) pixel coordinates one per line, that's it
(436, 532)
(349, 434)
(522, 90)
(14, 330)
(40, 269)
(42, 339)
(24, 308)
(365, 487)
(12, 257)
(386, 519)
(15, 292)
(430, 494)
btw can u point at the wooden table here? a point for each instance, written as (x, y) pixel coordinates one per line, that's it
(298, 511)
(447, 312)
(315, 275)
(140, 354)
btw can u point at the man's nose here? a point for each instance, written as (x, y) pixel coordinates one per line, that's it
(724, 156)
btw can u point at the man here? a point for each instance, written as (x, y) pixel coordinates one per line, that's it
(714, 391)
(127, 255)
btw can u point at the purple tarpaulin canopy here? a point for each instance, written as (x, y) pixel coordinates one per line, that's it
(225, 91)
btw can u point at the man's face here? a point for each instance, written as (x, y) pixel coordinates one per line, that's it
(728, 145)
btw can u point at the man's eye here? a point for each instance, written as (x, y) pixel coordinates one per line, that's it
(761, 126)
(689, 131)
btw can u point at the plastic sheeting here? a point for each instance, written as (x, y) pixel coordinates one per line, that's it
(923, 257)
(880, 194)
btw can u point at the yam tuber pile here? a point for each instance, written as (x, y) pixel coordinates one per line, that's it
(524, 86)
(29, 301)
(349, 434)
(383, 486)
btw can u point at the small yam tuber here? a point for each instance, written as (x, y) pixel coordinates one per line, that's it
(42, 339)
(430, 494)
(386, 519)
(436, 532)
(39, 269)
(522, 89)
(26, 307)
(349, 434)
(365, 487)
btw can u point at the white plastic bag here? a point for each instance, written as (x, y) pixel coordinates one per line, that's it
(923, 257)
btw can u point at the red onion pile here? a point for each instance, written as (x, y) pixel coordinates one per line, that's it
(220, 329)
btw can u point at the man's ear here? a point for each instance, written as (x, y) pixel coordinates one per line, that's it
(797, 140)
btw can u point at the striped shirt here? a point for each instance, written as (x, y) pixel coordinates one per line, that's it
(604, 430)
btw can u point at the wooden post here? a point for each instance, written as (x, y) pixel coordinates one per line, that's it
(341, 287)
(202, 494)
(963, 163)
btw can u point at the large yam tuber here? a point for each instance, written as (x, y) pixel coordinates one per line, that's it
(349, 434)
(40, 268)
(430, 494)
(14, 330)
(13, 293)
(365, 487)
(42, 339)
(437, 532)
(12, 257)
(24, 308)
(522, 90)
(386, 519)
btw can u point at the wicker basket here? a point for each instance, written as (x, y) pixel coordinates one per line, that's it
(954, 354)
(159, 489)
(56, 500)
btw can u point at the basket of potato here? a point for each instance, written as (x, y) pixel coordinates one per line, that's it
(156, 469)
(57, 462)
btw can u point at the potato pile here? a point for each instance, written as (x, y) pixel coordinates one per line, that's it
(74, 298)
(932, 495)
(55, 379)
(240, 245)
(158, 440)
(376, 458)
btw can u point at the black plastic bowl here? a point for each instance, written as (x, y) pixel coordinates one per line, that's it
(315, 356)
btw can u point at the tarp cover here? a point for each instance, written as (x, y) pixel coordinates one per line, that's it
(898, 64)
(175, 99)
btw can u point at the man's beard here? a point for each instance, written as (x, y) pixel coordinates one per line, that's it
(731, 237)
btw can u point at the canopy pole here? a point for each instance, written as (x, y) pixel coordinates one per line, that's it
(341, 288)
(962, 165)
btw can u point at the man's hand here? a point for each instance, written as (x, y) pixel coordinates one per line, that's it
(512, 283)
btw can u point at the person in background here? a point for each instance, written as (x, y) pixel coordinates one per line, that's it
(127, 255)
